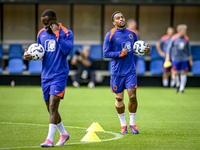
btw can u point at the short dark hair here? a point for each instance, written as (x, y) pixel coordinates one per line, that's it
(50, 13)
(112, 17)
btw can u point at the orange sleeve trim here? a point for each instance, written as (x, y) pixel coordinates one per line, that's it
(57, 34)
(40, 32)
(112, 33)
(135, 86)
(64, 29)
(61, 94)
(164, 37)
(122, 54)
(132, 31)
(186, 37)
(175, 36)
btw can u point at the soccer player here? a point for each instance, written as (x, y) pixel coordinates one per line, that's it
(57, 41)
(118, 46)
(179, 50)
(161, 47)
(132, 24)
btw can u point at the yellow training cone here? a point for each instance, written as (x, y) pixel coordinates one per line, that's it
(91, 137)
(95, 127)
(167, 64)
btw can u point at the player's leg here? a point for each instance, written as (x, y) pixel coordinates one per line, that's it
(131, 85)
(120, 107)
(116, 84)
(183, 76)
(57, 92)
(46, 89)
(165, 79)
(175, 74)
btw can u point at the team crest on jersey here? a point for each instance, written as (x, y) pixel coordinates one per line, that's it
(50, 45)
(130, 36)
(128, 45)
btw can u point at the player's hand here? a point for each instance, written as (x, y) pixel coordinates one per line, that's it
(80, 58)
(54, 27)
(27, 56)
(125, 50)
(147, 49)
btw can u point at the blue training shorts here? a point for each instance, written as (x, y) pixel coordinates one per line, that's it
(53, 87)
(180, 65)
(119, 83)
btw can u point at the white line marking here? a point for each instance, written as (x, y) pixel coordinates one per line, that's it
(117, 135)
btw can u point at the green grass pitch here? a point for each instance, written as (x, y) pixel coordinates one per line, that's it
(165, 120)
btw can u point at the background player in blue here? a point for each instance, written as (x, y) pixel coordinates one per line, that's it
(57, 41)
(179, 51)
(118, 46)
(161, 47)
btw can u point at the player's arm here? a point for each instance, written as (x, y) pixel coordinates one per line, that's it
(65, 42)
(86, 62)
(189, 54)
(167, 58)
(109, 53)
(160, 52)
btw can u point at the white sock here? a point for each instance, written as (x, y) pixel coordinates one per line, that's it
(172, 83)
(183, 82)
(52, 130)
(177, 80)
(122, 119)
(61, 129)
(132, 118)
(165, 82)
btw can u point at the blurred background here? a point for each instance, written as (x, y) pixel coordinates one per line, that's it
(90, 21)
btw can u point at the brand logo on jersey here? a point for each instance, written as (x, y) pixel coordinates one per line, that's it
(117, 38)
(115, 87)
(128, 45)
(56, 91)
(130, 36)
(50, 45)
(133, 84)
(43, 35)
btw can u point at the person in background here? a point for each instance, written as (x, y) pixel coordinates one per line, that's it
(161, 47)
(179, 51)
(83, 62)
(132, 24)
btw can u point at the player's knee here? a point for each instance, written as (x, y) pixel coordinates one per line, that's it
(133, 98)
(182, 72)
(119, 99)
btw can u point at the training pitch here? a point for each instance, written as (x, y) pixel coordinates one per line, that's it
(165, 120)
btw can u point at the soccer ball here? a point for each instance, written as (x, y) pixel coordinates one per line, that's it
(138, 48)
(36, 50)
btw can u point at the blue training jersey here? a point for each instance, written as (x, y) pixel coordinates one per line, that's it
(114, 42)
(57, 46)
(179, 48)
(164, 41)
